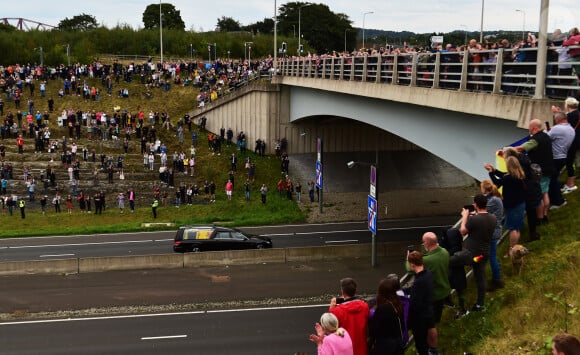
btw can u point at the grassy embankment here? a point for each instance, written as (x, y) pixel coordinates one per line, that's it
(533, 307)
(176, 103)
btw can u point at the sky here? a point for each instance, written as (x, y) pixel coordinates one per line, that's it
(420, 16)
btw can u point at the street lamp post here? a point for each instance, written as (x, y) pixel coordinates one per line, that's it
(481, 24)
(345, 31)
(363, 28)
(275, 64)
(373, 203)
(161, 32)
(299, 20)
(524, 25)
(247, 48)
(465, 31)
(191, 51)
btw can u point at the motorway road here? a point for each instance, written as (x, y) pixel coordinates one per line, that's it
(160, 242)
(267, 331)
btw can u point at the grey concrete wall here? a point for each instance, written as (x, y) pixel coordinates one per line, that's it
(177, 261)
(509, 107)
(63, 266)
(137, 262)
(253, 109)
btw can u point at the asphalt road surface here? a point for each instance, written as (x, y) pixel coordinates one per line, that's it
(267, 331)
(160, 242)
(85, 306)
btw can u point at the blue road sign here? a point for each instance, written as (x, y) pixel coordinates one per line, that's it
(372, 214)
(319, 174)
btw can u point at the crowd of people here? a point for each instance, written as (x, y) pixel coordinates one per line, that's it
(120, 128)
(529, 187)
(381, 325)
(518, 63)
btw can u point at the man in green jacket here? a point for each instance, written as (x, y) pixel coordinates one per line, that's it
(436, 260)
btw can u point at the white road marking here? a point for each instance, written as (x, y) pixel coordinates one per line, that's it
(341, 241)
(164, 337)
(90, 235)
(349, 231)
(77, 244)
(65, 320)
(55, 255)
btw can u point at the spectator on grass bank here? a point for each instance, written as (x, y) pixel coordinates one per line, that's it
(330, 338)
(421, 303)
(352, 313)
(565, 344)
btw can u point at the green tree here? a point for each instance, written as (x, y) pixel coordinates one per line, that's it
(323, 29)
(171, 17)
(265, 26)
(6, 28)
(228, 24)
(82, 22)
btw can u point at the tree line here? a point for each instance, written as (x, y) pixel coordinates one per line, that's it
(80, 38)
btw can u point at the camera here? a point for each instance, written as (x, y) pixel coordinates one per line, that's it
(470, 208)
(411, 248)
(339, 300)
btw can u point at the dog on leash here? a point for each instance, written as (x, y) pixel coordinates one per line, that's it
(517, 254)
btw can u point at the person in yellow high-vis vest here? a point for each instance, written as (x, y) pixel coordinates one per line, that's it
(154, 206)
(22, 205)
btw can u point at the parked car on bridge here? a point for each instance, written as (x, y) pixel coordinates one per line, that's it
(211, 238)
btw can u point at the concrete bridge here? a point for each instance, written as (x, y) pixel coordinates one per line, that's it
(393, 105)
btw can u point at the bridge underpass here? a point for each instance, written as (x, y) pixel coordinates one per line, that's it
(429, 157)
(466, 141)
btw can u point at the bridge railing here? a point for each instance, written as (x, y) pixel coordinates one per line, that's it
(501, 71)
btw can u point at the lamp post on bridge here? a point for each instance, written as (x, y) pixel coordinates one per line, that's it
(247, 49)
(363, 28)
(161, 33)
(345, 31)
(465, 31)
(300, 33)
(524, 25)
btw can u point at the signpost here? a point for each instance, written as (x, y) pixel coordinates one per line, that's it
(372, 220)
(373, 212)
(319, 176)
